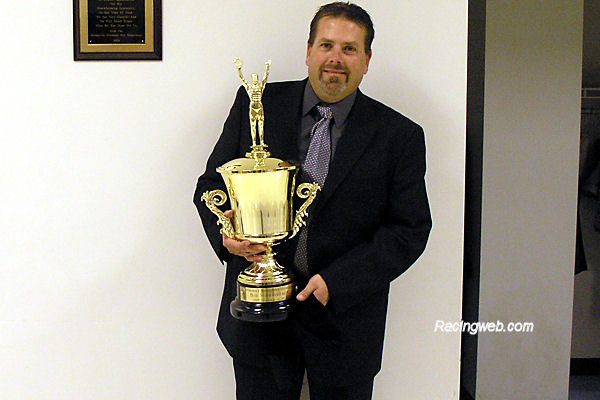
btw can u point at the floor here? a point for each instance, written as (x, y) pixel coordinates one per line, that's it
(582, 387)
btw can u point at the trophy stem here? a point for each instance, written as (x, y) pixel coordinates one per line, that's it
(265, 291)
(267, 263)
(258, 152)
(266, 271)
(269, 253)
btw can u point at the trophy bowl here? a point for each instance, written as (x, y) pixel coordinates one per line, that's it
(261, 192)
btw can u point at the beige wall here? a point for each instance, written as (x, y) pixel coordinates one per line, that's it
(530, 163)
(108, 287)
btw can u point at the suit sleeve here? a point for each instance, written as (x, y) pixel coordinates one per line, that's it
(396, 244)
(226, 149)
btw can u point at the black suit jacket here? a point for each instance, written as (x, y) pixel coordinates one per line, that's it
(368, 225)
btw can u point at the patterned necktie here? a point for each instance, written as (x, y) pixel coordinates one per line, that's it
(316, 167)
(316, 164)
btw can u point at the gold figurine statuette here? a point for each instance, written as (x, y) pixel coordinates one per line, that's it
(261, 191)
(255, 91)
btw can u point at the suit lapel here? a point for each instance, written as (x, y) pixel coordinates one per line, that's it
(357, 134)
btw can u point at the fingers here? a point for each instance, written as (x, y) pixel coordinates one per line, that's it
(322, 297)
(254, 258)
(308, 290)
(318, 288)
(242, 248)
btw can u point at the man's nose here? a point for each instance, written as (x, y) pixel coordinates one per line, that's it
(335, 55)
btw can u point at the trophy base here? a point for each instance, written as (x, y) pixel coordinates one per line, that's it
(261, 312)
(265, 291)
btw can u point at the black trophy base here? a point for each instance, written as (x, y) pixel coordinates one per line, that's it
(261, 312)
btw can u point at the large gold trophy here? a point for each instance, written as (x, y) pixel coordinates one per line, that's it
(261, 190)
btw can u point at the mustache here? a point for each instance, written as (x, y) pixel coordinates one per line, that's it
(335, 67)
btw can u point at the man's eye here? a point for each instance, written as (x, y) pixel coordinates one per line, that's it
(350, 49)
(326, 45)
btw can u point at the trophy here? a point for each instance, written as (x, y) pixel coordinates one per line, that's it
(261, 191)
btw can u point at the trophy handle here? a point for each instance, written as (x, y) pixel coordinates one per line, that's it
(214, 198)
(306, 191)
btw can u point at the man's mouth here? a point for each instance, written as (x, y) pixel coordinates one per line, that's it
(338, 72)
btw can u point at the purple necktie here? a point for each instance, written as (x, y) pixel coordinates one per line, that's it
(316, 166)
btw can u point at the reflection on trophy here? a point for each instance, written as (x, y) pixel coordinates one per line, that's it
(261, 190)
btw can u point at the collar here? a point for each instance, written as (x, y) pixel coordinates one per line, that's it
(340, 110)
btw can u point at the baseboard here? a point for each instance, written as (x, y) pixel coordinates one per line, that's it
(585, 366)
(464, 395)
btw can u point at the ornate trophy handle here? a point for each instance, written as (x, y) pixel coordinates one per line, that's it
(214, 198)
(303, 191)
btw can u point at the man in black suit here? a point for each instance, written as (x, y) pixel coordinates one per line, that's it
(368, 225)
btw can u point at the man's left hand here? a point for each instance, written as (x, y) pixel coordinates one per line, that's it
(316, 286)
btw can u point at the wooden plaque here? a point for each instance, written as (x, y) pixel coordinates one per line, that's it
(117, 29)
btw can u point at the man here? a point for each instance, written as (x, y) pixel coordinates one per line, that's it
(369, 223)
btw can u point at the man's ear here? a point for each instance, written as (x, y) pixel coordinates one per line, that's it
(367, 63)
(308, 49)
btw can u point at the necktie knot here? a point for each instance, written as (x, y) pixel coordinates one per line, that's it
(325, 112)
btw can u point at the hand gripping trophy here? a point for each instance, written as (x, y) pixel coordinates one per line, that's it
(261, 191)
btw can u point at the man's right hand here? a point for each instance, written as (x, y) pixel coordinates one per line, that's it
(242, 248)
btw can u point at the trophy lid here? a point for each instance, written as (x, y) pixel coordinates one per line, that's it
(254, 165)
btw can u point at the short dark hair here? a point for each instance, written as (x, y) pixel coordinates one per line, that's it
(349, 11)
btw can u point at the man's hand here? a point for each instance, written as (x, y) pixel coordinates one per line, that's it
(242, 248)
(316, 286)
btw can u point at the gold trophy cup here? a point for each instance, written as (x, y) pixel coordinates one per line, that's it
(261, 191)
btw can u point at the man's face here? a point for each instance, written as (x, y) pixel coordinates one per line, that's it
(337, 59)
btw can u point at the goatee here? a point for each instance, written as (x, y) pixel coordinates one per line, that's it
(334, 85)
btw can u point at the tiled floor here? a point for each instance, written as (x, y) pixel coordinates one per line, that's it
(580, 388)
(584, 387)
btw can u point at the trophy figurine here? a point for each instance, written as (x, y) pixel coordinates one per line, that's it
(257, 114)
(261, 191)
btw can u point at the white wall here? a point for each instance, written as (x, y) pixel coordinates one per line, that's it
(530, 167)
(108, 288)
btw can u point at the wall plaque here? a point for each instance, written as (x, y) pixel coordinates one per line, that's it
(117, 29)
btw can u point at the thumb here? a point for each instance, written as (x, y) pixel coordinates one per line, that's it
(308, 290)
